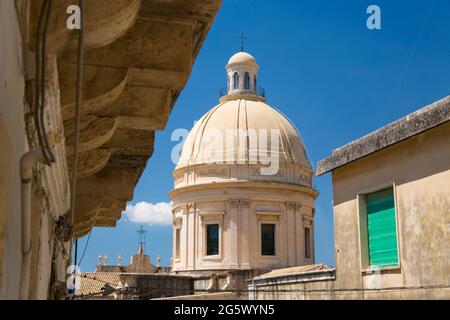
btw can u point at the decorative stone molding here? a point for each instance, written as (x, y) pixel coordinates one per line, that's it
(267, 215)
(177, 222)
(215, 173)
(208, 216)
(308, 221)
(132, 77)
(234, 204)
(291, 205)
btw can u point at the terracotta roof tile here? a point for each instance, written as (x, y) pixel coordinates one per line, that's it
(93, 282)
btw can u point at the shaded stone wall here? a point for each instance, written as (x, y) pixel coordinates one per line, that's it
(138, 57)
(419, 169)
(150, 286)
(12, 145)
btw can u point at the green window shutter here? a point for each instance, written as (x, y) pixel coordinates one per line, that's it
(382, 229)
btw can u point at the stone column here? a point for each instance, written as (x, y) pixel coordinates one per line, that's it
(190, 228)
(300, 235)
(291, 233)
(232, 235)
(245, 236)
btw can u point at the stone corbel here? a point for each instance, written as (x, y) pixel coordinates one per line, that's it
(190, 207)
(290, 205)
(177, 222)
(308, 221)
(245, 204)
(234, 204)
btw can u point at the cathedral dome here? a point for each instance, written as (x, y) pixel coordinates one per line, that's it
(243, 196)
(213, 140)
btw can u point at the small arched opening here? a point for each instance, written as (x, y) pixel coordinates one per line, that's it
(235, 80)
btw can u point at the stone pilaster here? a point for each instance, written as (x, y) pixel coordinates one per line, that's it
(292, 246)
(245, 234)
(232, 233)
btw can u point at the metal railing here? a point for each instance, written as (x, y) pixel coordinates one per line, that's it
(257, 91)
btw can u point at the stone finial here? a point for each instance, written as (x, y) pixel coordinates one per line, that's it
(158, 261)
(171, 262)
(119, 260)
(99, 259)
(105, 259)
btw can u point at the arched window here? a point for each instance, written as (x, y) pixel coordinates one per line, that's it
(228, 83)
(235, 80)
(255, 83)
(246, 81)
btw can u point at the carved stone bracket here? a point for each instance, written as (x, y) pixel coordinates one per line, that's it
(177, 222)
(308, 221)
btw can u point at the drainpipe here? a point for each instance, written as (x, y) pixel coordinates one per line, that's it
(26, 173)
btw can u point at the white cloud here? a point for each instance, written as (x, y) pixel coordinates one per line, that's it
(151, 213)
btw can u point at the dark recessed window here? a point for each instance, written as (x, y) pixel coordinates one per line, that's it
(307, 243)
(267, 239)
(246, 81)
(212, 239)
(235, 80)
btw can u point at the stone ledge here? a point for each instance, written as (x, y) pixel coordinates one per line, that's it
(302, 274)
(417, 122)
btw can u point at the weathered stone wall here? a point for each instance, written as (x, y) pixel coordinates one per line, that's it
(138, 57)
(328, 290)
(151, 286)
(12, 145)
(419, 169)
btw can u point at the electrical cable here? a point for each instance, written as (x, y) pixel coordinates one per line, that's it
(85, 247)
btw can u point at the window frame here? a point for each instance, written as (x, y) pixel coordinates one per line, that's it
(208, 218)
(207, 226)
(246, 81)
(363, 229)
(236, 81)
(275, 251)
(264, 217)
(308, 246)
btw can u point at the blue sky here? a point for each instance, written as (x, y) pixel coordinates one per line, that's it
(321, 66)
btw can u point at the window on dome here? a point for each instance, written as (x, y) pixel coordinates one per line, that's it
(212, 239)
(307, 243)
(268, 239)
(246, 81)
(235, 80)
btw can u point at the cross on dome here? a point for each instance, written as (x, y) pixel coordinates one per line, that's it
(243, 38)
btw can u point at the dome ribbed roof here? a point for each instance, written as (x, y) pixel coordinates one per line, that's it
(241, 114)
